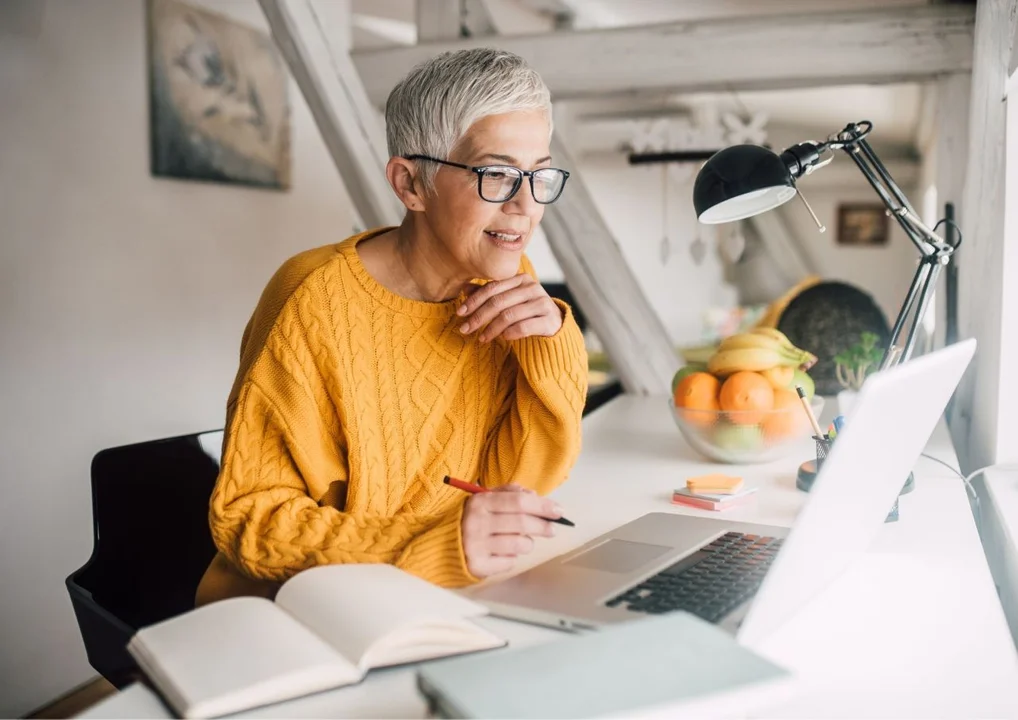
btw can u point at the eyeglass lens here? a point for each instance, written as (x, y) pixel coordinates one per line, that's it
(498, 184)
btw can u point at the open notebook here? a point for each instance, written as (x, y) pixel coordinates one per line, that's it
(327, 627)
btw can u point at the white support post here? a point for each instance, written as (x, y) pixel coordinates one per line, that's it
(883, 45)
(951, 108)
(350, 126)
(978, 407)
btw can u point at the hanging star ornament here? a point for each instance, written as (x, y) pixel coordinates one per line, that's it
(754, 131)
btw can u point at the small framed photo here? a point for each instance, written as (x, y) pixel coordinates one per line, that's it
(862, 224)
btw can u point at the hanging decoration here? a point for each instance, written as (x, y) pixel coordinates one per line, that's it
(679, 141)
(666, 245)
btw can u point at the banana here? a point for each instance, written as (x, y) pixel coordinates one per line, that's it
(749, 340)
(762, 341)
(768, 337)
(726, 362)
(773, 333)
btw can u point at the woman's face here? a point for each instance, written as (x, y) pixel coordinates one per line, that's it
(484, 239)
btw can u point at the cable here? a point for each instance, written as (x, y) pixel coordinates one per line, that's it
(953, 224)
(967, 479)
(947, 465)
(974, 501)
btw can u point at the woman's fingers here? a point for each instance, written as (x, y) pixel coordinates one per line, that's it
(498, 304)
(520, 503)
(520, 524)
(483, 293)
(510, 545)
(532, 318)
(500, 525)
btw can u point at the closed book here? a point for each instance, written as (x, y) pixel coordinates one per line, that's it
(658, 666)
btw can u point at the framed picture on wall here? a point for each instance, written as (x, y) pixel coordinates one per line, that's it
(219, 102)
(862, 224)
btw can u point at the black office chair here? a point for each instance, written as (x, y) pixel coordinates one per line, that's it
(597, 396)
(151, 543)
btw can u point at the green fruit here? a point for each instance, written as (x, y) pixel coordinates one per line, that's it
(738, 437)
(800, 377)
(687, 370)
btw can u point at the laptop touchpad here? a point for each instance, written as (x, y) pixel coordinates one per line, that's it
(618, 556)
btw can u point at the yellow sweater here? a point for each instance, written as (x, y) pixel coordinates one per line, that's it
(351, 405)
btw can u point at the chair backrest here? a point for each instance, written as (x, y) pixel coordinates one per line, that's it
(151, 539)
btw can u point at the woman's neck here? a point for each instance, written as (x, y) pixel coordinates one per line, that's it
(428, 270)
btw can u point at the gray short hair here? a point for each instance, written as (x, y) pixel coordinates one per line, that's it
(432, 108)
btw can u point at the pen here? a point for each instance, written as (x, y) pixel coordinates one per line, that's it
(471, 488)
(809, 412)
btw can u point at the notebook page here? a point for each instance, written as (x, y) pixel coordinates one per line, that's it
(353, 607)
(236, 654)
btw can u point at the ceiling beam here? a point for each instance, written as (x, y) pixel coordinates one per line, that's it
(779, 51)
(442, 20)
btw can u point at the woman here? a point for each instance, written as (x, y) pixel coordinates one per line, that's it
(373, 368)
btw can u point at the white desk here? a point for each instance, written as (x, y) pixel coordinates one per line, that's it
(915, 629)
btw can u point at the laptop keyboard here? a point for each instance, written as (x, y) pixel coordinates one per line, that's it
(710, 583)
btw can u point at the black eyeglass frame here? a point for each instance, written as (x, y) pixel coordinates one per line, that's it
(479, 170)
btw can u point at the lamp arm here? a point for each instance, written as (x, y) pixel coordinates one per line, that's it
(934, 250)
(925, 240)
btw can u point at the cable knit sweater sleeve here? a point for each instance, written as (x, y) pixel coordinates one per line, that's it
(536, 438)
(284, 450)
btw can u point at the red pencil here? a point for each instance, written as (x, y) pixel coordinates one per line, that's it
(471, 488)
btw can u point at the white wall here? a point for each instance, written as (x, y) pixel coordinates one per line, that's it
(883, 272)
(630, 200)
(122, 300)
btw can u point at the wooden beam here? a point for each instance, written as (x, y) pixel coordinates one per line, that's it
(599, 277)
(780, 242)
(783, 51)
(979, 406)
(439, 20)
(350, 126)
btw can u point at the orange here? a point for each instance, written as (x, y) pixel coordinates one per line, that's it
(748, 396)
(790, 419)
(698, 391)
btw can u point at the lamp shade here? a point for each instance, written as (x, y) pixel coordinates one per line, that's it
(739, 182)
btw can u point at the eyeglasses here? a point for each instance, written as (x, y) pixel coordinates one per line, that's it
(499, 183)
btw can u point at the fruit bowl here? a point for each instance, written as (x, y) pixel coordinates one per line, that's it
(749, 436)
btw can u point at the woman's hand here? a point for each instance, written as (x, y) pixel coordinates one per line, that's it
(515, 308)
(500, 525)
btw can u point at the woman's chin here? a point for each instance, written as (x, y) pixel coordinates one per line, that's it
(502, 270)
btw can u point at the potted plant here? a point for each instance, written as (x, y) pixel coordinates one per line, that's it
(853, 364)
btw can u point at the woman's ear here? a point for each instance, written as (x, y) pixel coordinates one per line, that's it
(402, 176)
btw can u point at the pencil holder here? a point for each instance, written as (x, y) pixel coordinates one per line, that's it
(823, 449)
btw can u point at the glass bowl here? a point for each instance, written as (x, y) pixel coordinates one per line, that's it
(747, 436)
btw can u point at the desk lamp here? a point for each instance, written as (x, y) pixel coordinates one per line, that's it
(745, 180)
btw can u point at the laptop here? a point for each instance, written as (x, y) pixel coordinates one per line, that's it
(747, 578)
